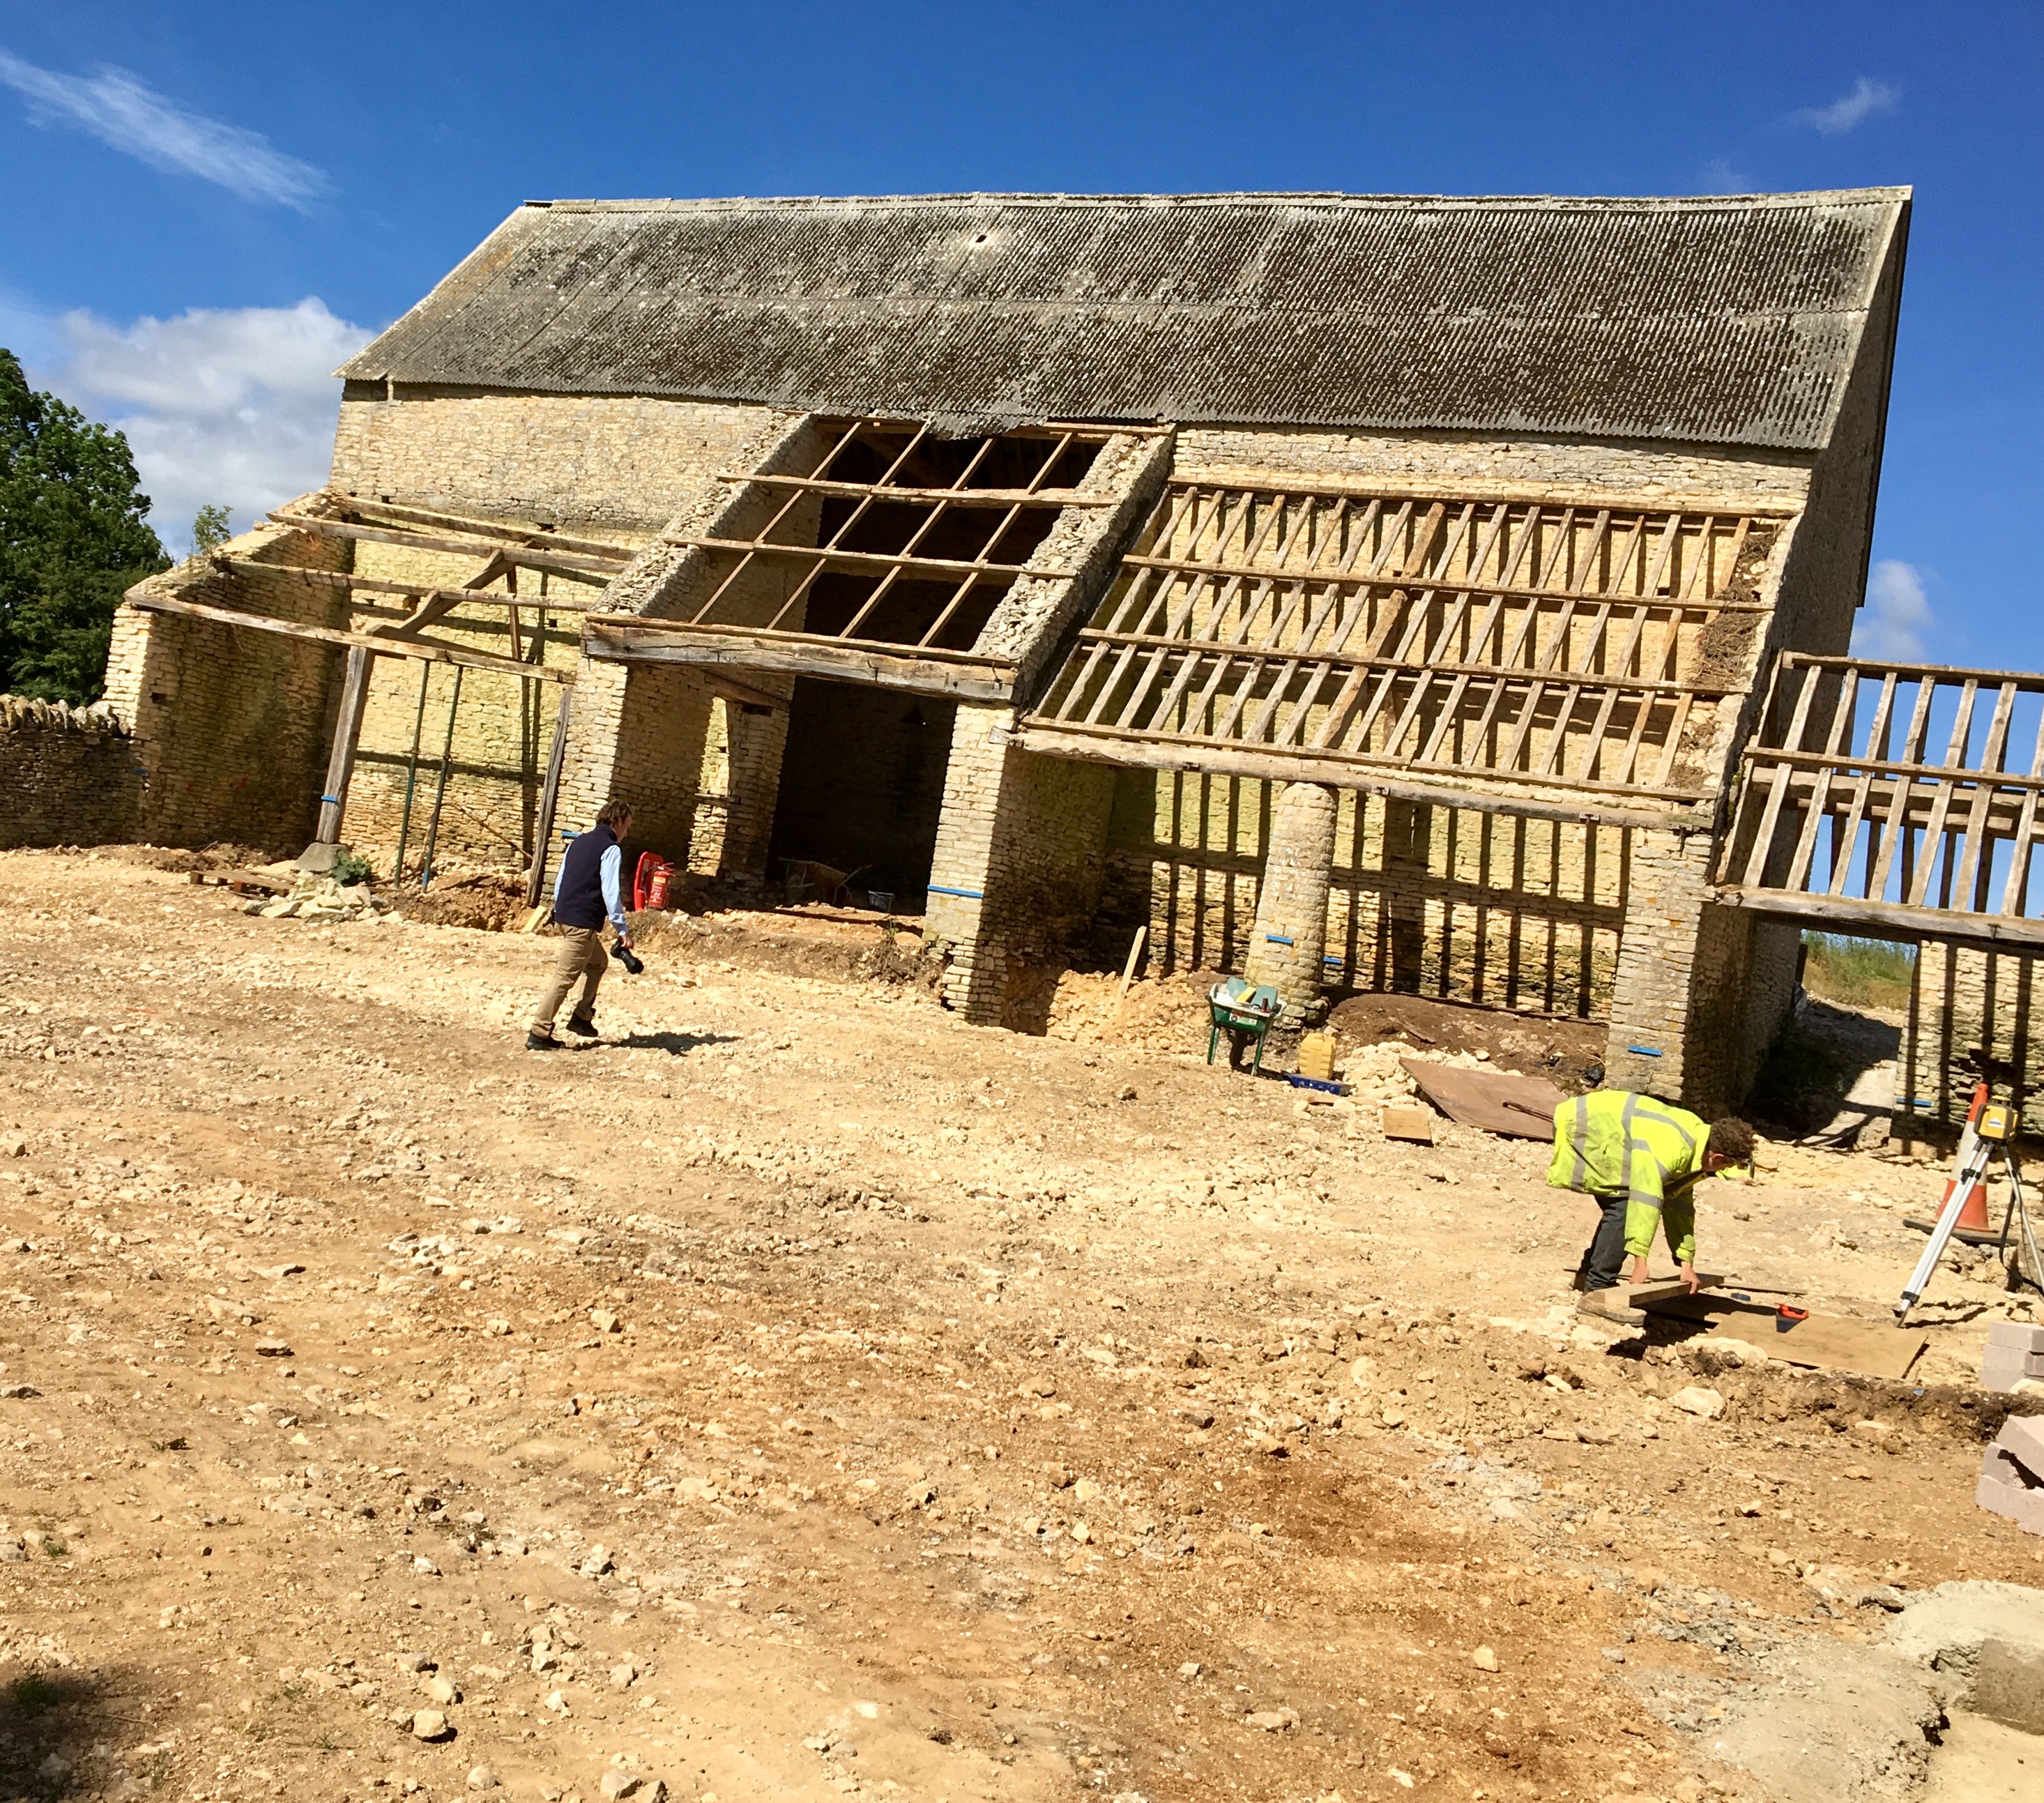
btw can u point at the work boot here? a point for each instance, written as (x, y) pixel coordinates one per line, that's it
(585, 1024)
(537, 1041)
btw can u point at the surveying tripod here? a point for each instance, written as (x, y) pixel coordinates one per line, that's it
(1990, 1131)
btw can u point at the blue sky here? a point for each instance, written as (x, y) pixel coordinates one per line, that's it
(204, 206)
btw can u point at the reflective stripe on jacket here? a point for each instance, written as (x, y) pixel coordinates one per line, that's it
(1612, 1142)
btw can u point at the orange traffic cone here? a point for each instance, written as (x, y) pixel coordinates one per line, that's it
(1973, 1213)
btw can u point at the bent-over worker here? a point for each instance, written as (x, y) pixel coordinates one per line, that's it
(590, 888)
(1642, 1159)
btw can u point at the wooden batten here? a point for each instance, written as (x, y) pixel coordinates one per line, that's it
(429, 650)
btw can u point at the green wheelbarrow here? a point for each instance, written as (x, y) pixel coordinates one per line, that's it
(1235, 1008)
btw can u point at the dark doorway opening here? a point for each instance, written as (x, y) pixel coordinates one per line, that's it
(862, 784)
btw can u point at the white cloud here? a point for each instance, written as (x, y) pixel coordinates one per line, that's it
(1897, 616)
(1721, 177)
(229, 406)
(118, 110)
(1868, 98)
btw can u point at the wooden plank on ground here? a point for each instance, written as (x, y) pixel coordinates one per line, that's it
(1521, 1108)
(1828, 1343)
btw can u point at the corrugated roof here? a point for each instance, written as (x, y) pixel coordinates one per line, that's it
(1725, 320)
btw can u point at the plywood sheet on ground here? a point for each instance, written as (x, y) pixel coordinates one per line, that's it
(1495, 1100)
(1829, 1343)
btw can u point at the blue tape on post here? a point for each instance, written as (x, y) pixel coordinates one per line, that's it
(940, 888)
(1644, 1051)
(1275, 938)
(335, 799)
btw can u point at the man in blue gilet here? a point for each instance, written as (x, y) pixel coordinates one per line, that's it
(588, 890)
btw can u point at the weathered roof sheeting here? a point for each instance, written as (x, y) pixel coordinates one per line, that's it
(1726, 321)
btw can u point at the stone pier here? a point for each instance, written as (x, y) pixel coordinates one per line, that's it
(1290, 940)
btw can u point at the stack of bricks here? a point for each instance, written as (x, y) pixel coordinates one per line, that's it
(2014, 1353)
(2011, 1481)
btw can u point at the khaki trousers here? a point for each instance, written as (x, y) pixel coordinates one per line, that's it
(581, 955)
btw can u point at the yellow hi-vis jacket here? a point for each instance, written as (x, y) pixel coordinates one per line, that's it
(1611, 1143)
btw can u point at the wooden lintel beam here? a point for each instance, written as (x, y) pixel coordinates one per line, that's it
(431, 651)
(945, 567)
(1428, 585)
(950, 497)
(2000, 932)
(1275, 764)
(832, 659)
(561, 563)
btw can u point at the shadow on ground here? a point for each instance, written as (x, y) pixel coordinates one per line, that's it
(674, 1044)
(50, 1723)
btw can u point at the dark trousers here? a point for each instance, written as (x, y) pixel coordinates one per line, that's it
(1604, 1258)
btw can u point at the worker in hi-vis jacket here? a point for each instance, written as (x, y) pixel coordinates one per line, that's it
(1642, 1159)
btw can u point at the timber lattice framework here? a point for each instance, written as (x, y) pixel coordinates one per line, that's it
(1525, 656)
(1897, 798)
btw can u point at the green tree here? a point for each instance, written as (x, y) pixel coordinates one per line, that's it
(73, 537)
(210, 530)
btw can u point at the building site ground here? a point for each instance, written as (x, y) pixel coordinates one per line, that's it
(800, 1392)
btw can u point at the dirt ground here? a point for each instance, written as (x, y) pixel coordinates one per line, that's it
(800, 1394)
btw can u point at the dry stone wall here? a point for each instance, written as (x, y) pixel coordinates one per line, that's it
(67, 776)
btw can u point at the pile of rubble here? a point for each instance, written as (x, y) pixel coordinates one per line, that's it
(322, 899)
(1376, 1075)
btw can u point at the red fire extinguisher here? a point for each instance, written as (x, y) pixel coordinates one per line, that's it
(651, 877)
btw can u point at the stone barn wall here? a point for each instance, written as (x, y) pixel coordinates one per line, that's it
(616, 467)
(1963, 1001)
(231, 725)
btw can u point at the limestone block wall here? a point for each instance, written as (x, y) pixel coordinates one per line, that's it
(67, 776)
(1290, 933)
(1964, 1001)
(713, 815)
(1700, 984)
(503, 725)
(617, 462)
(230, 726)
(638, 732)
(1440, 901)
(1453, 464)
(1016, 881)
